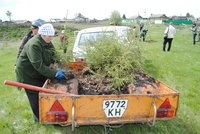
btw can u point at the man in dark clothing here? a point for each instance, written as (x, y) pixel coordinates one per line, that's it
(34, 30)
(194, 32)
(33, 65)
(143, 33)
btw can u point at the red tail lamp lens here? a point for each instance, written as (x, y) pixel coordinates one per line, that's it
(165, 110)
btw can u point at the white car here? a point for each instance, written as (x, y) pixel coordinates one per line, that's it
(92, 34)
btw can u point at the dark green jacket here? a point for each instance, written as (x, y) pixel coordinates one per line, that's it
(33, 64)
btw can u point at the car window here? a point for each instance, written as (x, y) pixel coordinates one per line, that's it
(92, 36)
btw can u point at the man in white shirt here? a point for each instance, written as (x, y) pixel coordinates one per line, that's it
(169, 35)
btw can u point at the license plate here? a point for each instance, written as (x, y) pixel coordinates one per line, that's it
(114, 108)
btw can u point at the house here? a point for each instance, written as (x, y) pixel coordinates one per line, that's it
(21, 21)
(178, 18)
(158, 18)
(133, 19)
(81, 19)
(137, 19)
(56, 20)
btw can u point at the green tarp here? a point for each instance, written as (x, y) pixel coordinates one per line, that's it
(178, 22)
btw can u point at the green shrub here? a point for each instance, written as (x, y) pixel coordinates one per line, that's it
(117, 59)
(13, 32)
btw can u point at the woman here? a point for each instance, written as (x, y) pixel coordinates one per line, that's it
(34, 30)
(33, 65)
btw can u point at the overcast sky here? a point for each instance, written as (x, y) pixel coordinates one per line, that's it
(99, 9)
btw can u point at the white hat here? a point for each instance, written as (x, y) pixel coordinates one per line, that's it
(47, 29)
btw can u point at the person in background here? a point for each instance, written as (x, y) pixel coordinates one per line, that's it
(64, 41)
(143, 33)
(34, 30)
(168, 36)
(34, 64)
(194, 31)
(198, 31)
(141, 26)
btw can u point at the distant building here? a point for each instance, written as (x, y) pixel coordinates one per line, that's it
(179, 18)
(81, 19)
(134, 19)
(56, 20)
(158, 18)
(21, 21)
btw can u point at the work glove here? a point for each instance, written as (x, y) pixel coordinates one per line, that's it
(60, 75)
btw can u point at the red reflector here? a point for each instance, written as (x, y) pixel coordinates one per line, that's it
(63, 117)
(165, 109)
(165, 104)
(57, 106)
(57, 113)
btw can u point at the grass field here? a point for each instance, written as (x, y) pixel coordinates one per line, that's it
(179, 69)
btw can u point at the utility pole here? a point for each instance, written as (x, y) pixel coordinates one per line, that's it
(145, 13)
(67, 14)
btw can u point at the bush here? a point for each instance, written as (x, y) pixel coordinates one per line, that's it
(117, 59)
(13, 32)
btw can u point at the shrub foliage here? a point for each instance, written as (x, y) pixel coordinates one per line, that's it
(110, 57)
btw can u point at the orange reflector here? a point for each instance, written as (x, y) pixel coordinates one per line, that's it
(170, 113)
(57, 116)
(51, 116)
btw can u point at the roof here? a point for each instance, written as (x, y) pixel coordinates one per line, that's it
(179, 18)
(104, 28)
(136, 17)
(158, 16)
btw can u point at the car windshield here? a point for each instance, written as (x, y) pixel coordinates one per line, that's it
(84, 37)
(92, 36)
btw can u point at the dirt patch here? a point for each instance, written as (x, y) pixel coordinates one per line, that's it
(87, 84)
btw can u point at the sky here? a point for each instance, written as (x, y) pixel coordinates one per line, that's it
(98, 9)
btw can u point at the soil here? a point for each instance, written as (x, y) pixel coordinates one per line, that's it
(87, 84)
(94, 86)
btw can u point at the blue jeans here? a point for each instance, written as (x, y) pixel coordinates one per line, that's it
(194, 38)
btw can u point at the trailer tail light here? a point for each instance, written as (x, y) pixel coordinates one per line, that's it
(57, 113)
(165, 110)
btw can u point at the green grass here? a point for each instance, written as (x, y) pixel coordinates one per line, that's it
(180, 69)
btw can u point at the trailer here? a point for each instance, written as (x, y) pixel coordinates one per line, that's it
(76, 110)
(68, 109)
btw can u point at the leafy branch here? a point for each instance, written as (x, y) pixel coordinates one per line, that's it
(118, 59)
